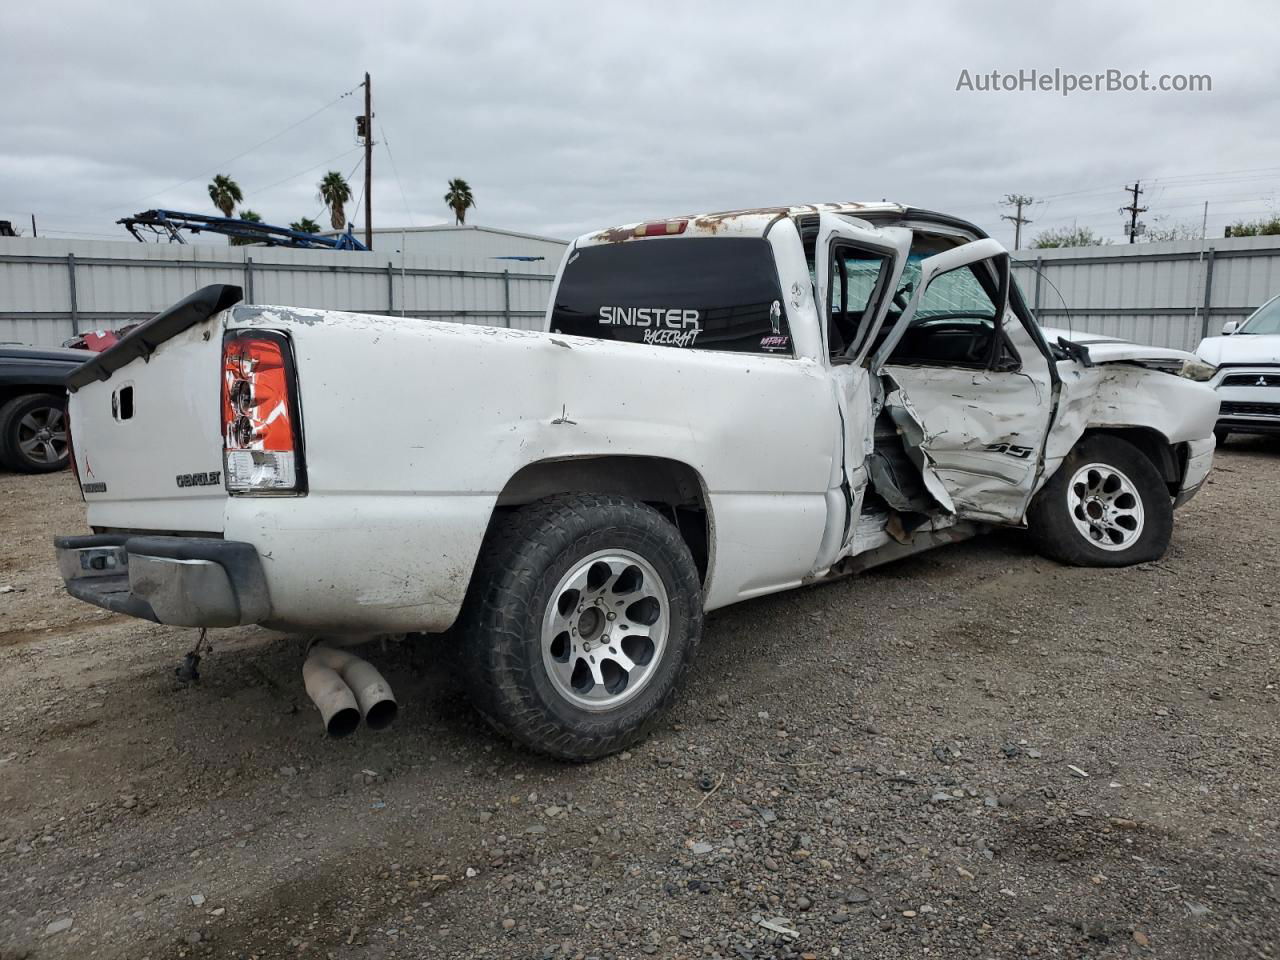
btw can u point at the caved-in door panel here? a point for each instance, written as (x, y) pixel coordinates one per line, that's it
(982, 433)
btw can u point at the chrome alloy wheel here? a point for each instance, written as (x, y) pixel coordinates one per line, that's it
(1105, 506)
(42, 435)
(605, 629)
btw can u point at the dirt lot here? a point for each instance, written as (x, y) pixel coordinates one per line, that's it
(972, 753)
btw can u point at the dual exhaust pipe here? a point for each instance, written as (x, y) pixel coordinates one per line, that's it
(345, 689)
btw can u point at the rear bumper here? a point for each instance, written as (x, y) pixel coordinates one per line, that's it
(181, 581)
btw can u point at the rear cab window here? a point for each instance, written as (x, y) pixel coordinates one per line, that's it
(696, 293)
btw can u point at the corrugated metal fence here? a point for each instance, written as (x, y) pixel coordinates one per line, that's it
(50, 289)
(1166, 294)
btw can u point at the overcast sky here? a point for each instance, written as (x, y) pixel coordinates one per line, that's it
(566, 117)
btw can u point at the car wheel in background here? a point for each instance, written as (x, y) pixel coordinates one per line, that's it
(1106, 506)
(585, 612)
(1221, 435)
(33, 433)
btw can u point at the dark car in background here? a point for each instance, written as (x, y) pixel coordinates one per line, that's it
(33, 407)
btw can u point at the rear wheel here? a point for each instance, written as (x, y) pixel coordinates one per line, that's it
(1106, 506)
(584, 614)
(33, 433)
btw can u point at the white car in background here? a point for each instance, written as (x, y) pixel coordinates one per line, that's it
(1247, 356)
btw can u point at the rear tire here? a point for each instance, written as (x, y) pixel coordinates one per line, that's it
(1221, 436)
(1107, 506)
(584, 614)
(33, 433)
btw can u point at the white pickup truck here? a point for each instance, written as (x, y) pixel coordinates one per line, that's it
(719, 407)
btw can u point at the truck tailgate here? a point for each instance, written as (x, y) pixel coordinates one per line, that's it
(146, 424)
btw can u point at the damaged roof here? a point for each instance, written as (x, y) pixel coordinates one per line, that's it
(750, 222)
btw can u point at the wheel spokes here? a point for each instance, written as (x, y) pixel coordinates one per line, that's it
(1105, 506)
(605, 628)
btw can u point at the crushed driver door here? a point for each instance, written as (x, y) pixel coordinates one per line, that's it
(967, 385)
(856, 270)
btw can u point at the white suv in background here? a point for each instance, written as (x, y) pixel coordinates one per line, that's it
(1247, 356)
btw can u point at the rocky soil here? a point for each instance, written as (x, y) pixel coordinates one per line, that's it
(973, 753)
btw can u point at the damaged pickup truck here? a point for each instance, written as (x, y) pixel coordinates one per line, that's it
(719, 407)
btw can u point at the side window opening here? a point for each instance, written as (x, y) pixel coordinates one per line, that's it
(857, 280)
(696, 293)
(955, 322)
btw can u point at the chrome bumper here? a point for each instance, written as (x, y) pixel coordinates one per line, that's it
(181, 581)
(1199, 462)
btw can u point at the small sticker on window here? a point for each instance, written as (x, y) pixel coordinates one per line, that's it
(775, 343)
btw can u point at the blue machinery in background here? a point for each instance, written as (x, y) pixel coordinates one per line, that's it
(170, 223)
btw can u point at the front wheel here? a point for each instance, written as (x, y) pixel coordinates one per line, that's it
(1106, 506)
(585, 612)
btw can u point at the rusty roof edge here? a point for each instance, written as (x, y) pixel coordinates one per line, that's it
(747, 221)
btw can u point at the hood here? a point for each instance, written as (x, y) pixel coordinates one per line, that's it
(1113, 349)
(1240, 348)
(14, 351)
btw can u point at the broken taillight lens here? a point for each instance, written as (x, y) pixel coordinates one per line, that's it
(261, 432)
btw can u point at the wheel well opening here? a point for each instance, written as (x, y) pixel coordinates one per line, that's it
(8, 393)
(1169, 459)
(672, 488)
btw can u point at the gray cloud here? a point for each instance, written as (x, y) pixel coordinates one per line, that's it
(568, 116)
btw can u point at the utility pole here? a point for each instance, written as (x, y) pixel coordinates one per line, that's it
(1133, 209)
(1018, 201)
(33, 225)
(368, 162)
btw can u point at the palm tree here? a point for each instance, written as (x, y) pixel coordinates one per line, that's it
(252, 218)
(225, 194)
(459, 199)
(305, 225)
(334, 192)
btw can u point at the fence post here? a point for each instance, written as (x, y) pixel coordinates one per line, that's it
(248, 279)
(1039, 269)
(75, 303)
(1208, 292)
(506, 297)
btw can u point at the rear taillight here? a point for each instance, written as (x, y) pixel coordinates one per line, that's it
(261, 430)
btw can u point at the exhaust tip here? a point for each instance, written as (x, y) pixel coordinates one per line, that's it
(343, 723)
(381, 715)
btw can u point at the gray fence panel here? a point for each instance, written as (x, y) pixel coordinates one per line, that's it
(1152, 292)
(116, 283)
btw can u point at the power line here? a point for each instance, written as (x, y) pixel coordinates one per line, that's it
(387, 144)
(314, 166)
(244, 153)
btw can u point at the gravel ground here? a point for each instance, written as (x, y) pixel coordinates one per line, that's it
(972, 753)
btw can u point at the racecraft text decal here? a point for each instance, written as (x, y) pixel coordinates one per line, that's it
(93, 486)
(669, 326)
(210, 478)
